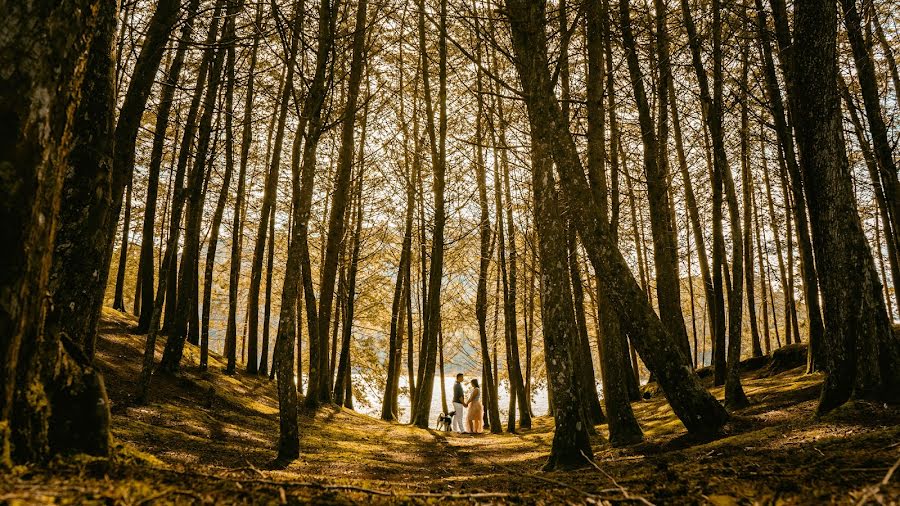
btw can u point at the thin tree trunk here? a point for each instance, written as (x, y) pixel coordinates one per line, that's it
(268, 201)
(118, 296)
(237, 226)
(187, 279)
(690, 202)
(433, 309)
(778, 252)
(311, 123)
(146, 271)
(517, 381)
(868, 84)
(767, 340)
(492, 409)
(880, 198)
(401, 287)
(228, 40)
(129, 121)
(356, 76)
(267, 310)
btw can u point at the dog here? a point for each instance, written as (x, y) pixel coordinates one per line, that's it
(444, 421)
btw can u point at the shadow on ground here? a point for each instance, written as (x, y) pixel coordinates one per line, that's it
(205, 437)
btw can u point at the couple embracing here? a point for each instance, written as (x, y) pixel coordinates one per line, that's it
(474, 417)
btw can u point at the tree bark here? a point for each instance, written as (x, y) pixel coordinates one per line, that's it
(237, 225)
(611, 343)
(146, 272)
(783, 130)
(492, 409)
(133, 106)
(401, 287)
(880, 198)
(341, 198)
(868, 84)
(57, 95)
(860, 351)
(311, 123)
(269, 194)
(698, 410)
(428, 355)
(187, 280)
(571, 444)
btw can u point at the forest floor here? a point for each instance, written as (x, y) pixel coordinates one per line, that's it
(205, 437)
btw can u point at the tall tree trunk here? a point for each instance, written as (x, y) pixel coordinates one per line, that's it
(698, 410)
(341, 198)
(184, 155)
(690, 202)
(147, 270)
(734, 391)
(311, 123)
(757, 227)
(428, 356)
(341, 194)
(868, 84)
(58, 92)
(880, 198)
(401, 287)
(228, 41)
(746, 189)
(129, 119)
(187, 280)
(344, 372)
(269, 195)
(778, 251)
(712, 117)
(514, 366)
(783, 130)
(611, 344)
(237, 225)
(656, 169)
(488, 373)
(789, 247)
(861, 354)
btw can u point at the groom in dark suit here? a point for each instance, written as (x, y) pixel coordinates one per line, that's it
(459, 405)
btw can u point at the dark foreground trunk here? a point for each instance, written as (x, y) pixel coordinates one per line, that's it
(862, 356)
(51, 399)
(571, 443)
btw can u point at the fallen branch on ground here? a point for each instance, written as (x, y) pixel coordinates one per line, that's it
(622, 489)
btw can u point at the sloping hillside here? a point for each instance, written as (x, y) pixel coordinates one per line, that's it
(205, 437)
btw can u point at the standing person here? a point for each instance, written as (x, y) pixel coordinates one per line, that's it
(459, 405)
(476, 411)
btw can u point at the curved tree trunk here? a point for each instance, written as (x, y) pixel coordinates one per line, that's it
(697, 409)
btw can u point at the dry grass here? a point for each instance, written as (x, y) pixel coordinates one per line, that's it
(209, 438)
